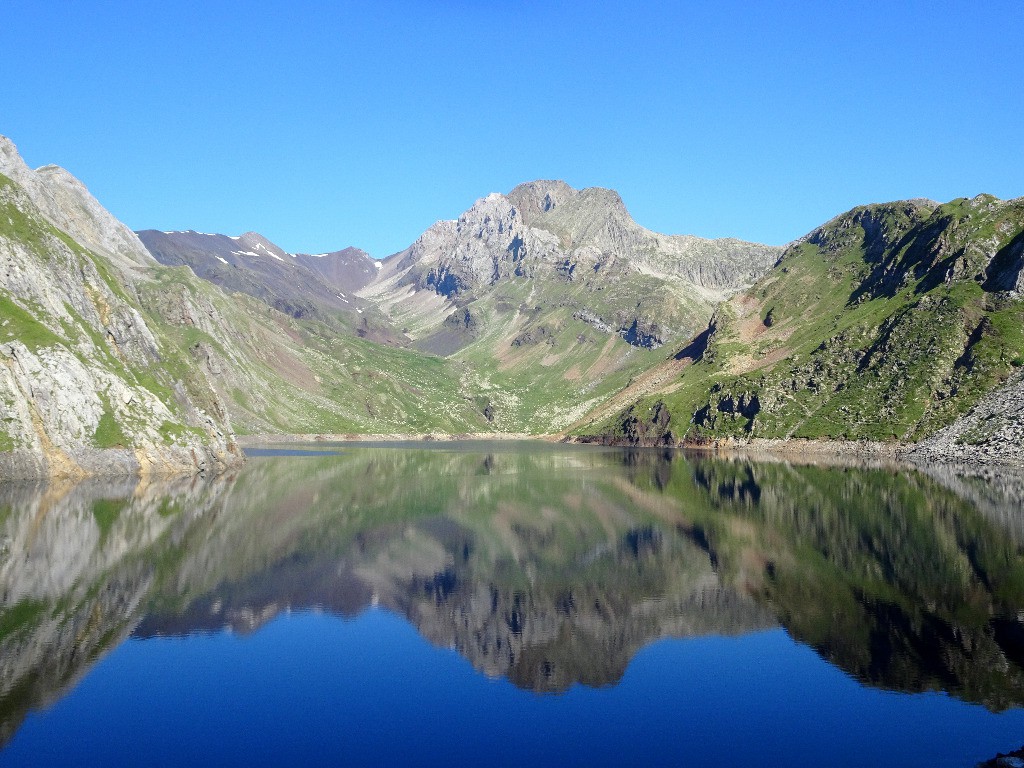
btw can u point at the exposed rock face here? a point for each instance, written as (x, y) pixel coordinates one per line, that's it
(597, 219)
(487, 243)
(1005, 272)
(65, 202)
(991, 433)
(888, 323)
(81, 390)
(582, 244)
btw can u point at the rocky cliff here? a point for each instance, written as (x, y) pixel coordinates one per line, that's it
(83, 382)
(64, 201)
(581, 248)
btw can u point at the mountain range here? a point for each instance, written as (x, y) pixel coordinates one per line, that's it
(544, 311)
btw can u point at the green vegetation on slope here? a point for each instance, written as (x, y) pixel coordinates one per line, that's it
(17, 324)
(877, 327)
(274, 373)
(108, 432)
(537, 364)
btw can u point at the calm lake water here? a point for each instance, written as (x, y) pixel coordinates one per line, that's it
(513, 604)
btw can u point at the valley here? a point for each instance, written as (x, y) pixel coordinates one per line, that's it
(546, 311)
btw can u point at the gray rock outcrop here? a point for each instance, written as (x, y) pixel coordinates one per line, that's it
(578, 248)
(991, 433)
(81, 385)
(65, 202)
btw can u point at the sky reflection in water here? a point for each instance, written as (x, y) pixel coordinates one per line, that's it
(607, 608)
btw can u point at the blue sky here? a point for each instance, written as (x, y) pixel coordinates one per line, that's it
(328, 124)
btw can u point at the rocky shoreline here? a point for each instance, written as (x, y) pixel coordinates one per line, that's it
(946, 452)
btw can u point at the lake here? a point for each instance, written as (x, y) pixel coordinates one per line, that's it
(513, 604)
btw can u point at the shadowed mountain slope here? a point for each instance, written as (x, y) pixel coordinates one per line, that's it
(887, 323)
(300, 285)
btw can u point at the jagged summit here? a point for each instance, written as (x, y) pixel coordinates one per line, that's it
(569, 248)
(536, 197)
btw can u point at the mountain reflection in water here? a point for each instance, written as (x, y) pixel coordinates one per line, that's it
(547, 566)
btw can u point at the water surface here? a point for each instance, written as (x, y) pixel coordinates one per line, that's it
(510, 604)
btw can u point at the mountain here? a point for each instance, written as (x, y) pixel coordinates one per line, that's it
(544, 311)
(300, 285)
(578, 249)
(552, 299)
(114, 363)
(546, 301)
(64, 202)
(887, 323)
(87, 382)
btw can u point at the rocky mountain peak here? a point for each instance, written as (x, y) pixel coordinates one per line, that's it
(66, 203)
(537, 197)
(877, 226)
(489, 215)
(11, 163)
(581, 257)
(595, 217)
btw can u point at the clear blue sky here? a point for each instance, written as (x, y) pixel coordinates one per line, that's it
(335, 123)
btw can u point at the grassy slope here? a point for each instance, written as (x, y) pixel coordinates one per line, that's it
(540, 367)
(275, 373)
(858, 333)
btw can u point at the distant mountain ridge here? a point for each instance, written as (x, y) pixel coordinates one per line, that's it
(296, 284)
(547, 299)
(542, 231)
